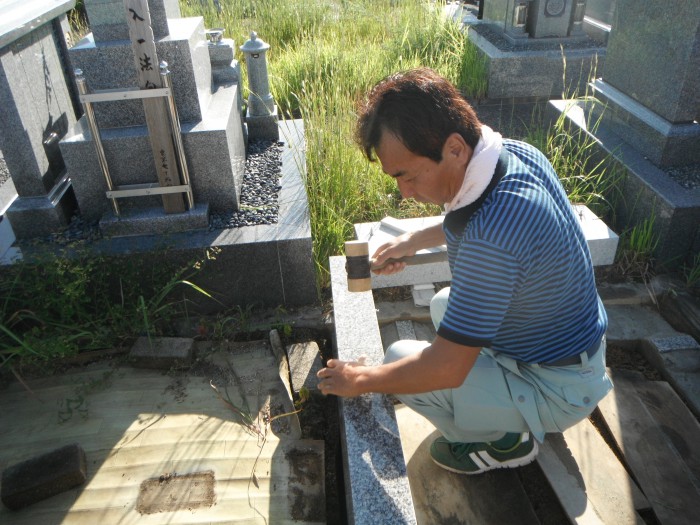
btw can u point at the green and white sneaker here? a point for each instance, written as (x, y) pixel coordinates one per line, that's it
(474, 458)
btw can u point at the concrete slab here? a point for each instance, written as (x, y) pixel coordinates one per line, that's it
(629, 323)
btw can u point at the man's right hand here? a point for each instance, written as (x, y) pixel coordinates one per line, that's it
(400, 246)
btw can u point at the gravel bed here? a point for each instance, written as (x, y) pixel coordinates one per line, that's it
(687, 176)
(260, 190)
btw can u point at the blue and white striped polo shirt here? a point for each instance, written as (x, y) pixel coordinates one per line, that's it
(522, 277)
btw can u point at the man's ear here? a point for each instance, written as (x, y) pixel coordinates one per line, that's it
(456, 148)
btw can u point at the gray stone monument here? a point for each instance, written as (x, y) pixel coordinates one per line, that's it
(649, 100)
(535, 48)
(209, 116)
(523, 19)
(36, 111)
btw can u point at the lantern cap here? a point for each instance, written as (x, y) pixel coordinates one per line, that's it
(254, 44)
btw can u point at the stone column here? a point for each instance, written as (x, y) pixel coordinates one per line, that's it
(36, 110)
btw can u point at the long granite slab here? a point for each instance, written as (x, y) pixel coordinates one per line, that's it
(376, 480)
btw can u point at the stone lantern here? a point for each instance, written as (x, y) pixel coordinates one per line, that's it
(261, 115)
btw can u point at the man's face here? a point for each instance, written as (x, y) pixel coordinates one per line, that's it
(418, 177)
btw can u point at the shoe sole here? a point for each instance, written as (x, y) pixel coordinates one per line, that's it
(513, 463)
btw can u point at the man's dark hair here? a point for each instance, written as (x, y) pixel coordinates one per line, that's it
(421, 109)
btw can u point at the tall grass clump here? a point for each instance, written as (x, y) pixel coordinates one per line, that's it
(635, 258)
(587, 177)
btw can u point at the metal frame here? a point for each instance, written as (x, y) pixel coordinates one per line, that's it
(109, 95)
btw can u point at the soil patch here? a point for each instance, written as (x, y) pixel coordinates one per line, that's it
(623, 358)
(171, 492)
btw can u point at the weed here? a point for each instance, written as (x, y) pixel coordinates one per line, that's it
(62, 304)
(636, 256)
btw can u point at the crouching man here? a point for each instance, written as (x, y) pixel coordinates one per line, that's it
(520, 348)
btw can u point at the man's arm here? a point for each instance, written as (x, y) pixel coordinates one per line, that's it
(405, 245)
(441, 365)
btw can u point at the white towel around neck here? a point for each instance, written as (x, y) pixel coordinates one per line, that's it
(479, 170)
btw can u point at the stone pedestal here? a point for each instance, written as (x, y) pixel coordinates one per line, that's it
(265, 265)
(36, 110)
(535, 49)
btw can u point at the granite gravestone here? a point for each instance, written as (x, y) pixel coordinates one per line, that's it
(36, 110)
(646, 106)
(651, 79)
(523, 19)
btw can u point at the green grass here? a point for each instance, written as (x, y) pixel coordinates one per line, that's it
(65, 304)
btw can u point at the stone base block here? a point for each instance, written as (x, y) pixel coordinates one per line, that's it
(43, 476)
(602, 241)
(154, 221)
(535, 70)
(263, 128)
(664, 143)
(423, 294)
(39, 216)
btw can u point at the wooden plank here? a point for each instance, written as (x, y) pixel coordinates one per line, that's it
(660, 472)
(674, 418)
(202, 438)
(147, 66)
(590, 482)
(440, 496)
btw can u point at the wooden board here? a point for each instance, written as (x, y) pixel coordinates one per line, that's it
(673, 416)
(440, 496)
(157, 119)
(661, 473)
(590, 482)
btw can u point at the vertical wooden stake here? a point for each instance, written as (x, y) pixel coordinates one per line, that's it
(146, 60)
